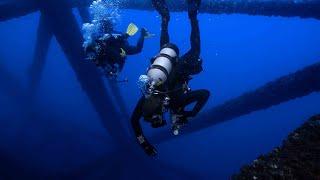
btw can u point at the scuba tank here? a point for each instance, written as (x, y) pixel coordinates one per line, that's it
(160, 69)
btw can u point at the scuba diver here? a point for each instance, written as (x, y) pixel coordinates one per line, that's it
(110, 49)
(165, 85)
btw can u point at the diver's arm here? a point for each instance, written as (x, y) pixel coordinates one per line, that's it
(141, 139)
(131, 50)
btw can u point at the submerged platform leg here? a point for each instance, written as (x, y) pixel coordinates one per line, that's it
(70, 39)
(44, 36)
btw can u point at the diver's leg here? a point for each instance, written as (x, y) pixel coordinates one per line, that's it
(180, 116)
(193, 8)
(200, 97)
(163, 10)
(193, 62)
(194, 52)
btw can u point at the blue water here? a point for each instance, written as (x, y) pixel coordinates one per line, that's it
(240, 53)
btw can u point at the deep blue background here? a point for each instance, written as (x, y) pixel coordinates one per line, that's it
(240, 54)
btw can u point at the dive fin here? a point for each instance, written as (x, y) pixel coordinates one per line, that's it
(132, 29)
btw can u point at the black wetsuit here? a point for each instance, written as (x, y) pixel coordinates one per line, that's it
(187, 65)
(109, 50)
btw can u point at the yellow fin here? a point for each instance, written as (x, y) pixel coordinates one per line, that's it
(132, 29)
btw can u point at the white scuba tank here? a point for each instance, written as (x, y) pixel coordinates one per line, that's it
(162, 65)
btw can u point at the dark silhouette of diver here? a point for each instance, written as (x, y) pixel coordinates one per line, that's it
(109, 51)
(165, 87)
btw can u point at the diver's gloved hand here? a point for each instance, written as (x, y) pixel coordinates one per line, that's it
(144, 31)
(146, 34)
(150, 150)
(147, 147)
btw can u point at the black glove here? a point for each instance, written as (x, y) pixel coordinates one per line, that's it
(147, 147)
(144, 32)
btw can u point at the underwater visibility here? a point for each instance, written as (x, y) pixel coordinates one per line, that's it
(160, 89)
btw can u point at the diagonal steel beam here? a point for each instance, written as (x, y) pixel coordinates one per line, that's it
(60, 16)
(84, 13)
(17, 8)
(44, 36)
(286, 88)
(13, 88)
(120, 102)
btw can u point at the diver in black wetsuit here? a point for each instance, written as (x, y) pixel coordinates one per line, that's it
(109, 51)
(165, 86)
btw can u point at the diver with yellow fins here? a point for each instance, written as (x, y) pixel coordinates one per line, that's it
(109, 51)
